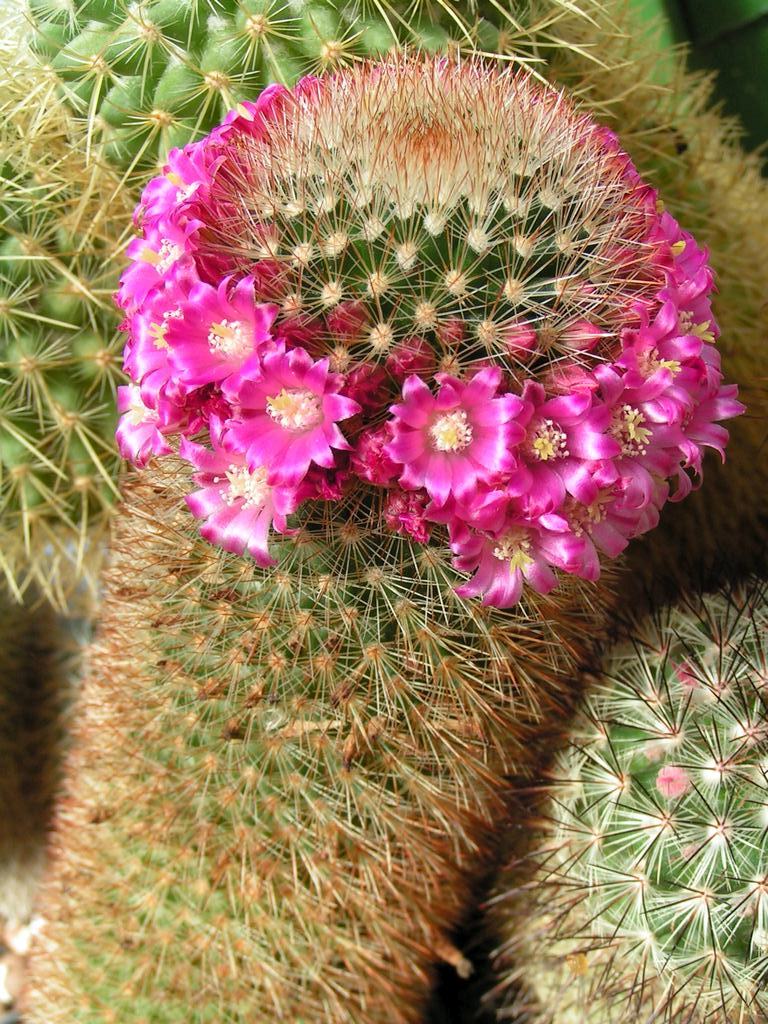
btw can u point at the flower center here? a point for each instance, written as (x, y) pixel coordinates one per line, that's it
(138, 413)
(585, 517)
(250, 485)
(451, 432)
(649, 362)
(549, 442)
(295, 409)
(157, 334)
(165, 256)
(629, 431)
(228, 338)
(514, 547)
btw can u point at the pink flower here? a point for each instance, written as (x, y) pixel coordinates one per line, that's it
(220, 331)
(139, 432)
(451, 441)
(370, 460)
(672, 781)
(165, 254)
(405, 512)
(564, 436)
(237, 504)
(186, 174)
(518, 551)
(286, 417)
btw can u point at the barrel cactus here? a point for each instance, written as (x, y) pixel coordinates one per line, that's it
(651, 872)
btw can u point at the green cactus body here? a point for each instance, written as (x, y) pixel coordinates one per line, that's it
(283, 781)
(59, 347)
(653, 872)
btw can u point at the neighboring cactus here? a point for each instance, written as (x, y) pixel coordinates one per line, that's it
(647, 893)
(60, 226)
(37, 660)
(152, 75)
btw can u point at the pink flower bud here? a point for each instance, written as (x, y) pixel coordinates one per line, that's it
(581, 336)
(404, 512)
(369, 386)
(520, 340)
(414, 355)
(348, 320)
(370, 461)
(450, 331)
(672, 781)
(685, 676)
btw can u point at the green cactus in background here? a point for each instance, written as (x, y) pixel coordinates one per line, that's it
(37, 660)
(283, 781)
(156, 74)
(60, 231)
(651, 874)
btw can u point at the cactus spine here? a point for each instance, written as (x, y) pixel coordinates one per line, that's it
(650, 875)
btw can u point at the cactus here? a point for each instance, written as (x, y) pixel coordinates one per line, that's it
(60, 224)
(690, 151)
(282, 782)
(101, 75)
(326, 729)
(649, 876)
(153, 75)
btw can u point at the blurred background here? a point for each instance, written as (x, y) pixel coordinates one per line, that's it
(731, 38)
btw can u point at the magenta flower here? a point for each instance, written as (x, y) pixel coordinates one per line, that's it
(221, 331)
(565, 435)
(237, 504)
(164, 255)
(186, 175)
(518, 552)
(286, 418)
(140, 430)
(451, 441)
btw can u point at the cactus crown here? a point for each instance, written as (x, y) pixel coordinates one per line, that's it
(656, 851)
(429, 196)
